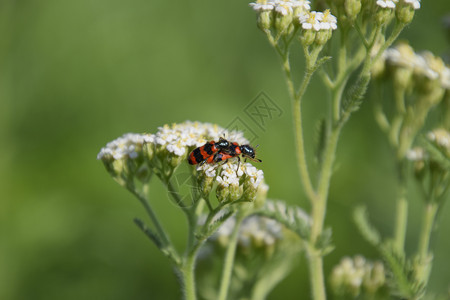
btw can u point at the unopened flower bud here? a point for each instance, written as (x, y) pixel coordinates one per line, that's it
(404, 11)
(417, 155)
(385, 11)
(323, 36)
(308, 37)
(283, 18)
(264, 11)
(124, 158)
(403, 60)
(441, 138)
(374, 277)
(352, 9)
(261, 195)
(348, 278)
(265, 20)
(205, 179)
(317, 27)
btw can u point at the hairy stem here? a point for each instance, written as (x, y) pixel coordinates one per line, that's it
(316, 275)
(188, 276)
(424, 242)
(319, 208)
(297, 116)
(229, 258)
(401, 219)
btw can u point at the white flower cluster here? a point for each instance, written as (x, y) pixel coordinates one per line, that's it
(386, 3)
(234, 180)
(441, 137)
(283, 7)
(178, 137)
(353, 274)
(126, 146)
(392, 3)
(425, 63)
(299, 10)
(414, 3)
(254, 230)
(416, 154)
(317, 21)
(230, 174)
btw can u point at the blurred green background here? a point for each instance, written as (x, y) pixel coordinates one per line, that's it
(77, 74)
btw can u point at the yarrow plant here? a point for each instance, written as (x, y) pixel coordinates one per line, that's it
(239, 188)
(241, 244)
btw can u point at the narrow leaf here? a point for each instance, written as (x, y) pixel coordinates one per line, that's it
(361, 218)
(293, 217)
(150, 233)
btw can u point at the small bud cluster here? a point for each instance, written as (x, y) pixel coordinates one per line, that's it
(124, 157)
(423, 74)
(404, 10)
(282, 17)
(431, 166)
(441, 138)
(317, 27)
(419, 84)
(356, 276)
(259, 232)
(235, 181)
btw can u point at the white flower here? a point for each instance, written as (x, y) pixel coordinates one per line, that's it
(386, 3)
(427, 65)
(127, 145)
(423, 64)
(283, 8)
(415, 154)
(328, 21)
(440, 136)
(445, 78)
(256, 176)
(208, 169)
(353, 273)
(414, 3)
(304, 4)
(403, 55)
(318, 20)
(311, 20)
(254, 230)
(229, 176)
(260, 7)
(178, 137)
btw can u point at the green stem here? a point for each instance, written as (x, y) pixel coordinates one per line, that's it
(188, 275)
(159, 228)
(297, 116)
(316, 275)
(401, 219)
(401, 222)
(424, 242)
(427, 228)
(319, 208)
(229, 258)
